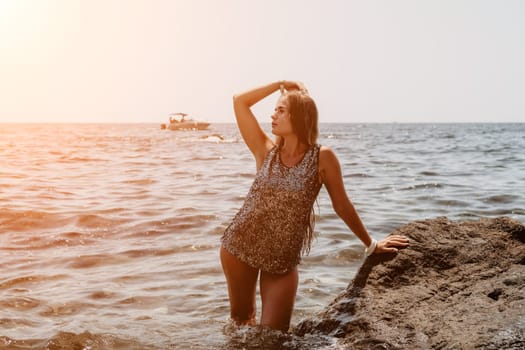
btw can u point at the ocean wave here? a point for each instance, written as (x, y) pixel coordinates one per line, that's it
(518, 211)
(451, 203)
(97, 221)
(13, 175)
(34, 220)
(147, 252)
(22, 303)
(30, 279)
(94, 260)
(481, 213)
(425, 186)
(501, 199)
(168, 225)
(358, 175)
(141, 182)
(215, 138)
(201, 158)
(68, 341)
(48, 241)
(79, 159)
(429, 173)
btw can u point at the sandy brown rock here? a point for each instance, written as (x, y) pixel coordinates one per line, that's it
(460, 285)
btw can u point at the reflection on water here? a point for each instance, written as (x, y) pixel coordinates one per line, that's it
(109, 234)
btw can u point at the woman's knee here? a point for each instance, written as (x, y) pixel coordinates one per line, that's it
(243, 316)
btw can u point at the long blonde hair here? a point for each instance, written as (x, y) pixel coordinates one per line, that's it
(304, 118)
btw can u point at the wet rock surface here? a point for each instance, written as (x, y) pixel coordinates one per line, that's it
(460, 285)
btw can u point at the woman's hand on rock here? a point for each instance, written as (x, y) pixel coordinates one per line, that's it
(391, 244)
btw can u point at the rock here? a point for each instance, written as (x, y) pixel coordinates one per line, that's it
(460, 285)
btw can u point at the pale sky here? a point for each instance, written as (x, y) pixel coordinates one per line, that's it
(123, 61)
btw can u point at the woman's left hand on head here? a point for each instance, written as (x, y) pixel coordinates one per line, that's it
(391, 244)
(289, 85)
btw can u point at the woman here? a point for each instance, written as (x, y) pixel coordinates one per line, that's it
(275, 224)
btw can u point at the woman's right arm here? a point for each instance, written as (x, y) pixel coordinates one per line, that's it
(330, 171)
(255, 138)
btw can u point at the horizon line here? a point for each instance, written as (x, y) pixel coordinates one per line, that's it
(233, 122)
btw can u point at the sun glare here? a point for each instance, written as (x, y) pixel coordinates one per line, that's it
(22, 21)
(9, 11)
(15, 23)
(6, 5)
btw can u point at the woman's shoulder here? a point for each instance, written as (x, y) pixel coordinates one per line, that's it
(325, 151)
(327, 157)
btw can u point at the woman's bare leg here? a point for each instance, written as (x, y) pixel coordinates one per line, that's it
(242, 283)
(278, 297)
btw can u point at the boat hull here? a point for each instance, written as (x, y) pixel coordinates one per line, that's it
(188, 126)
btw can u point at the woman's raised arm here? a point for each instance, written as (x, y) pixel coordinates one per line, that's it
(255, 138)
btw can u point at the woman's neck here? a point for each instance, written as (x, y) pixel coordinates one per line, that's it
(292, 147)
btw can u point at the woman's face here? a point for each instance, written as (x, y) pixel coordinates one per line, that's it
(281, 123)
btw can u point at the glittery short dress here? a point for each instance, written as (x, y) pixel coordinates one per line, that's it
(271, 229)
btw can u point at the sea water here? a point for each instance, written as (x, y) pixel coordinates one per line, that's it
(109, 234)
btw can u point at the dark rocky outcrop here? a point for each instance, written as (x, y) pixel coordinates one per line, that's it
(460, 285)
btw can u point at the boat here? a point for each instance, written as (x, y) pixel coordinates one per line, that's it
(181, 121)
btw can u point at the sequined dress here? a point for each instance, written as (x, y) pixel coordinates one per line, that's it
(271, 229)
